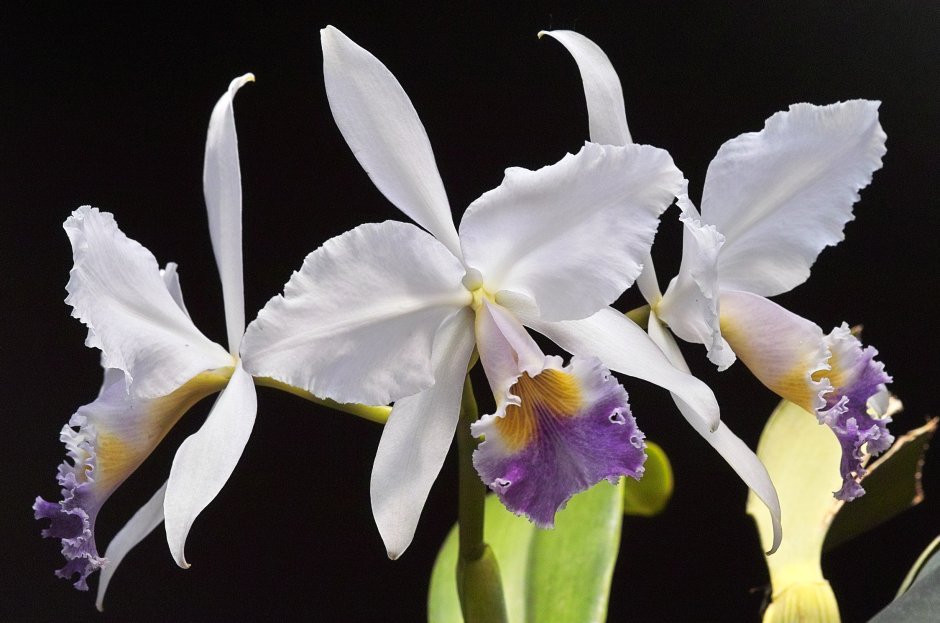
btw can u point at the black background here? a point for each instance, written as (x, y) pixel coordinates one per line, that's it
(108, 104)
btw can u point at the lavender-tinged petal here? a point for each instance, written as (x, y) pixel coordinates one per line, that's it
(856, 377)
(572, 429)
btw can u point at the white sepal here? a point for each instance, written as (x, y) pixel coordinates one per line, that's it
(624, 347)
(382, 128)
(741, 458)
(148, 517)
(607, 115)
(222, 186)
(206, 459)
(417, 436)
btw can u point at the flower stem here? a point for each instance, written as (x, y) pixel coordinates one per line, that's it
(478, 582)
(373, 414)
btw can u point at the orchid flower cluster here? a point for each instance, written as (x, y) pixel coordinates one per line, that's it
(397, 313)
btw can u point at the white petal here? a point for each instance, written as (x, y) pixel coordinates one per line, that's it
(784, 351)
(417, 436)
(222, 185)
(691, 303)
(607, 116)
(385, 134)
(783, 194)
(206, 459)
(506, 350)
(624, 347)
(741, 458)
(357, 322)
(571, 236)
(171, 278)
(134, 531)
(116, 289)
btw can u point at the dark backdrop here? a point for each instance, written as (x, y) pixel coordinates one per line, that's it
(108, 104)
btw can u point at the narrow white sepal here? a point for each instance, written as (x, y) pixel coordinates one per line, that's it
(417, 436)
(206, 459)
(148, 517)
(222, 186)
(624, 347)
(382, 128)
(742, 459)
(607, 115)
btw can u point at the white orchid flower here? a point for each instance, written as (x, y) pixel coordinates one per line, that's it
(391, 313)
(157, 365)
(772, 201)
(608, 124)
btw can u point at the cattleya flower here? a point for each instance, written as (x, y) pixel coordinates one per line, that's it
(608, 124)
(772, 201)
(157, 365)
(391, 313)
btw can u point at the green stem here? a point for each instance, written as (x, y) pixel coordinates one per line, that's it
(373, 414)
(472, 491)
(478, 582)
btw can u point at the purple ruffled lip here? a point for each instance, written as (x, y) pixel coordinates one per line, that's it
(72, 520)
(567, 452)
(847, 415)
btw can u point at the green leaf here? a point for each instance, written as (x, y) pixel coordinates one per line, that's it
(556, 575)
(649, 495)
(571, 567)
(892, 485)
(920, 603)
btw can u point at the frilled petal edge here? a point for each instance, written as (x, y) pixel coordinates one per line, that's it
(117, 290)
(571, 236)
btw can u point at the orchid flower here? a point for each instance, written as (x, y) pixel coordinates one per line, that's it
(772, 201)
(608, 124)
(157, 365)
(391, 313)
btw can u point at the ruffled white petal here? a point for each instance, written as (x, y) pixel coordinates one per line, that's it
(116, 289)
(784, 351)
(357, 322)
(624, 347)
(691, 303)
(384, 132)
(222, 185)
(741, 458)
(206, 459)
(506, 351)
(417, 436)
(134, 531)
(783, 194)
(607, 116)
(571, 236)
